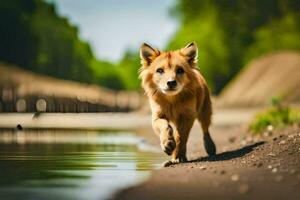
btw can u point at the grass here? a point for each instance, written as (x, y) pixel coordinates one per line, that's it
(278, 116)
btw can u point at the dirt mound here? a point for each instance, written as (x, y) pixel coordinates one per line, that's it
(276, 74)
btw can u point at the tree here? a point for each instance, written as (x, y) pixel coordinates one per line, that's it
(225, 30)
(35, 37)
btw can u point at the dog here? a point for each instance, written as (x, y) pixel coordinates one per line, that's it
(178, 94)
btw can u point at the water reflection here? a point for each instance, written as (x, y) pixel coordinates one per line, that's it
(72, 165)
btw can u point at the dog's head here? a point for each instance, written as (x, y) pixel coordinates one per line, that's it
(168, 72)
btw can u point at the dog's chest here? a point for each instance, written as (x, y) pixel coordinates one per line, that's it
(175, 111)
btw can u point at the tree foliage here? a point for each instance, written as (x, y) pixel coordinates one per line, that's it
(231, 32)
(34, 37)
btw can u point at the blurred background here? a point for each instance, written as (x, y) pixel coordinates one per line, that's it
(82, 56)
(78, 61)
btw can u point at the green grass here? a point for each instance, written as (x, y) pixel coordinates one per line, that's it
(278, 116)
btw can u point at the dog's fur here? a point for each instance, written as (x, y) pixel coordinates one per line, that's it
(174, 109)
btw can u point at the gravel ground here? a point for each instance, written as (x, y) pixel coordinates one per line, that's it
(246, 167)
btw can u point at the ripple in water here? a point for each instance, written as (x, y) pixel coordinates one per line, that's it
(72, 165)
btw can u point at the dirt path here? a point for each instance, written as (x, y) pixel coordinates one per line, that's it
(245, 168)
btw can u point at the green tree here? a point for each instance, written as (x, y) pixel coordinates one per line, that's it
(225, 29)
(17, 40)
(129, 66)
(279, 34)
(35, 37)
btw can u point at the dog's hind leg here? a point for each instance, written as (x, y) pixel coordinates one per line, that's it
(204, 117)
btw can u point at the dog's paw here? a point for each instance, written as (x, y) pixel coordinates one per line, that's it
(171, 162)
(175, 161)
(167, 141)
(209, 145)
(168, 145)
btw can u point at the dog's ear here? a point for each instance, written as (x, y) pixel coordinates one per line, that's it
(148, 54)
(190, 51)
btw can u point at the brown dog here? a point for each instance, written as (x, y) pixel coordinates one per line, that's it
(178, 94)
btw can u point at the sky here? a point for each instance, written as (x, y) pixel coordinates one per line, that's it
(113, 26)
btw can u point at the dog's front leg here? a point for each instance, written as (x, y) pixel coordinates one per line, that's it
(181, 134)
(165, 132)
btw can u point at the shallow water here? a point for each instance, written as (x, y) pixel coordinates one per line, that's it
(72, 165)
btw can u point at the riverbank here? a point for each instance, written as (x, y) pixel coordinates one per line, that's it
(246, 167)
(107, 121)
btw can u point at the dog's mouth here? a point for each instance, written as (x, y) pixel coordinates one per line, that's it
(170, 91)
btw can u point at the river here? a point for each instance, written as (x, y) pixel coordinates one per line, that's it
(72, 164)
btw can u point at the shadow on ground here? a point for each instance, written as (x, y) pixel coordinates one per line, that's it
(228, 155)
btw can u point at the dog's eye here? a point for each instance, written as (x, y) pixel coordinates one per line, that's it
(179, 71)
(160, 70)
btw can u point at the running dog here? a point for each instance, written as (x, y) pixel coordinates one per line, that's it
(178, 94)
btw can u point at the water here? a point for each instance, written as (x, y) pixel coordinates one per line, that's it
(72, 165)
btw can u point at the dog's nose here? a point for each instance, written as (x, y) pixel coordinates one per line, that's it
(172, 84)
